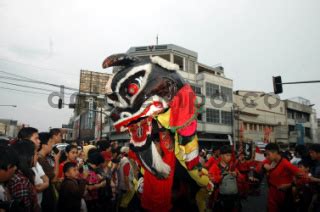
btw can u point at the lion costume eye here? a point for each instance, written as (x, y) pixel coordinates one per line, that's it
(133, 89)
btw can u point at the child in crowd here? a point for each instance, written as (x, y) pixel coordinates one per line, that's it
(94, 180)
(72, 189)
(224, 175)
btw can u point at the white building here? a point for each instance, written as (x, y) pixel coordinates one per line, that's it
(260, 118)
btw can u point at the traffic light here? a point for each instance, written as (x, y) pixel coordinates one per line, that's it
(277, 84)
(60, 103)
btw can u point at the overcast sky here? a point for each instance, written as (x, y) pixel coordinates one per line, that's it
(253, 40)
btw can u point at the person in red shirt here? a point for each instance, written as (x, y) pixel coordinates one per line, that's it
(280, 176)
(214, 158)
(224, 175)
(71, 153)
(244, 167)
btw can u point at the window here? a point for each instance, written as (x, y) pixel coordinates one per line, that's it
(299, 115)
(212, 115)
(212, 89)
(306, 117)
(141, 49)
(199, 117)
(254, 127)
(290, 114)
(291, 129)
(226, 94)
(245, 126)
(307, 132)
(196, 89)
(165, 56)
(226, 117)
(145, 57)
(161, 47)
(179, 61)
(191, 67)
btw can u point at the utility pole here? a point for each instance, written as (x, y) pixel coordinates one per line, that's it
(157, 40)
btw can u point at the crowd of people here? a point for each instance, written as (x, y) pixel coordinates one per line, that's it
(292, 179)
(35, 175)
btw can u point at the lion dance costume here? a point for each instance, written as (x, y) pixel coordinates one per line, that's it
(151, 101)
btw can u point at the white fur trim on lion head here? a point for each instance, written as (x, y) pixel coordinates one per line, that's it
(164, 63)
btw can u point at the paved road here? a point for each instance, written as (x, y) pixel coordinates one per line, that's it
(257, 203)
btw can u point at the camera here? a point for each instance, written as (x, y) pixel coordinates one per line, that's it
(55, 150)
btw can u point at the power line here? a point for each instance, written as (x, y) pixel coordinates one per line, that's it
(16, 79)
(29, 80)
(36, 81)
(30, 65)
(29, 92)
(37, 88)
(16, 75)
(39, 82)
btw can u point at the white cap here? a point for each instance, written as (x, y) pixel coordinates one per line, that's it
(124, 149)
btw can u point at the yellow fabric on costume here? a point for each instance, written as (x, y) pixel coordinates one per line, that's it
(126, 198)
(201, 177)
(191, 146)
(142, 170)
(164, 119)
(201, 199)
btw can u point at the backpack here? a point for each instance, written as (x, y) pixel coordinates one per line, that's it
(228, 185)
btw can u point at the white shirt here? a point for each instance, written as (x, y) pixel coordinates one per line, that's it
(295, 160)
(3, 195)
(38, 171)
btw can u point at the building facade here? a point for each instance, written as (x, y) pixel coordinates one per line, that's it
(302, 123)
(259, 118)
(9, 128)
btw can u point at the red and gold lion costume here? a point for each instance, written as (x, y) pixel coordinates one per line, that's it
(151, 101)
